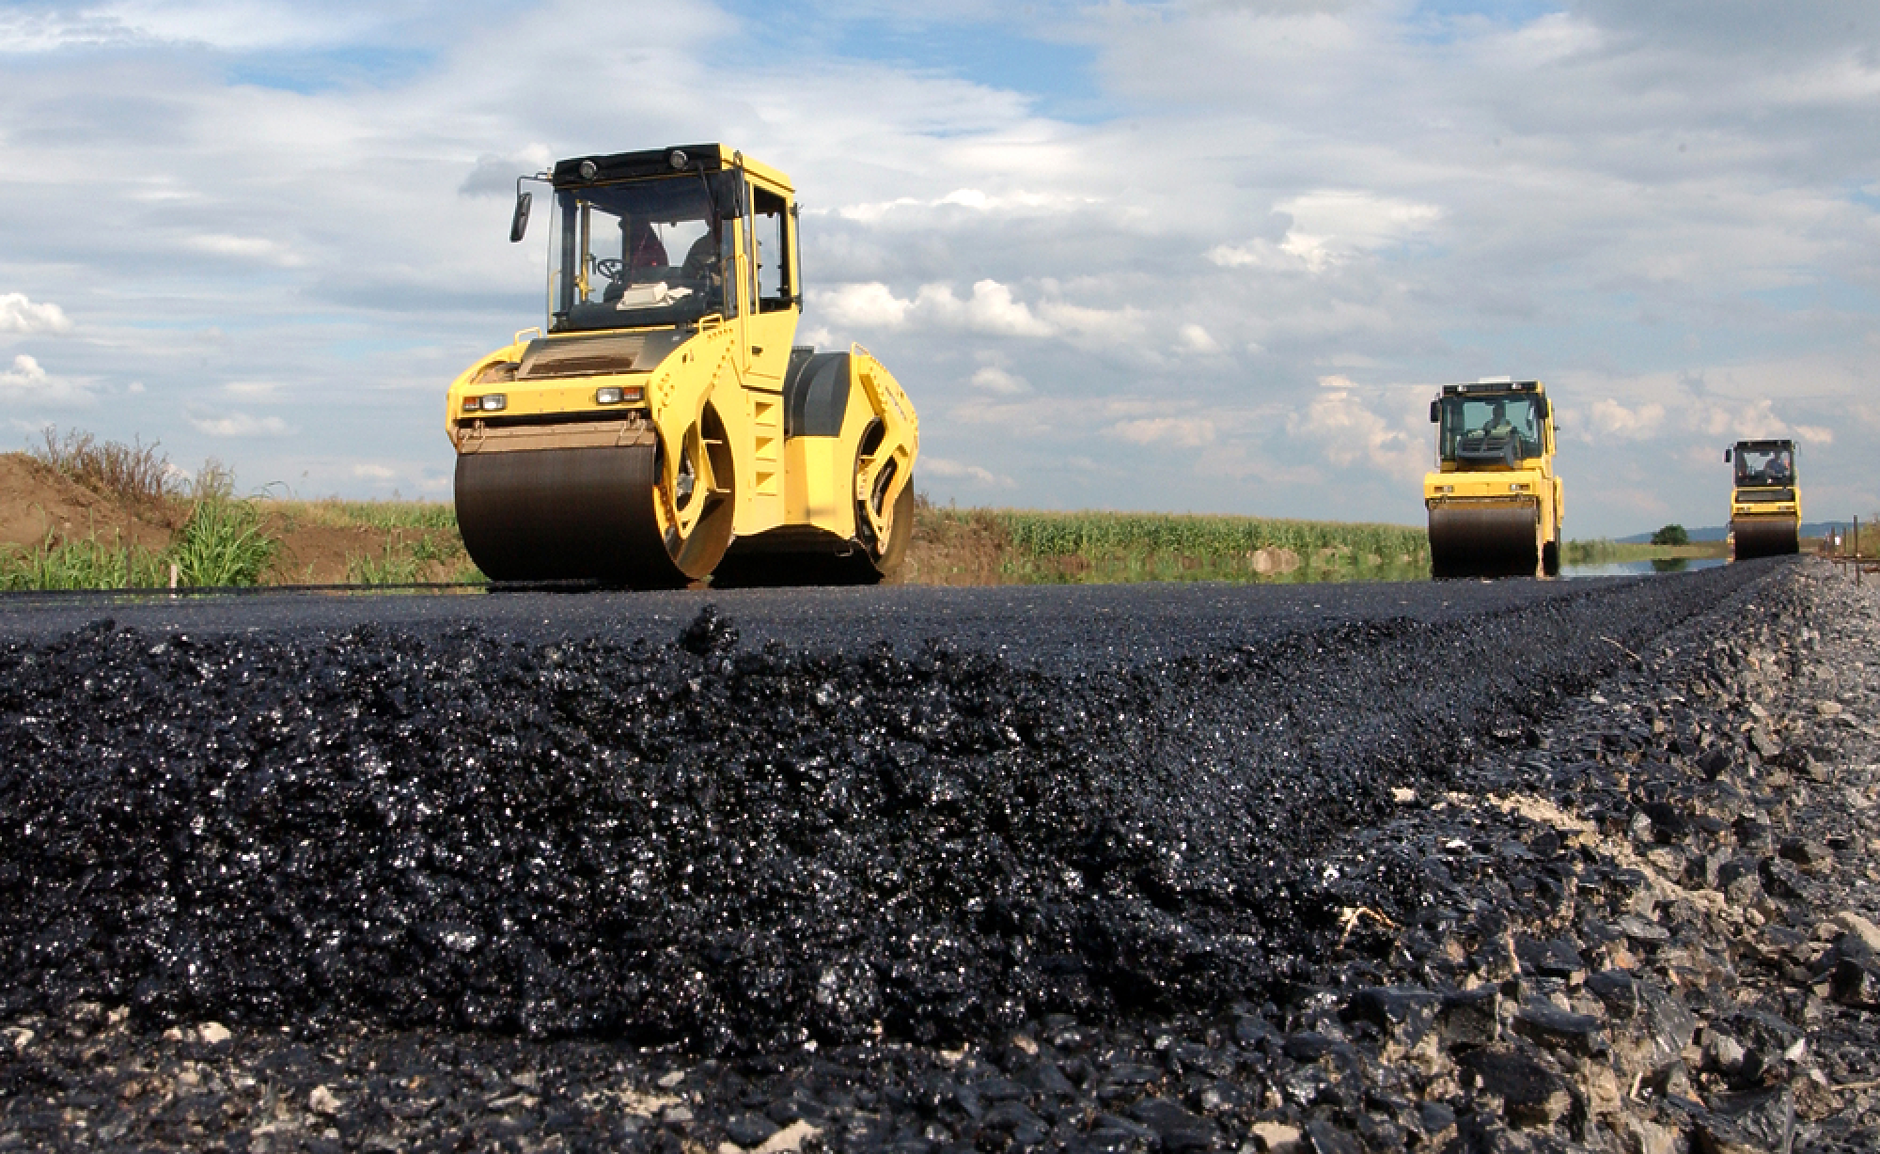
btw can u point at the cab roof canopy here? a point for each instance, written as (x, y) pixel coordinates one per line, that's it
(1492, 387)
(575, 171)
(1765, 446)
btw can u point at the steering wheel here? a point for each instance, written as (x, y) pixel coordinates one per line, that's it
(611, 267)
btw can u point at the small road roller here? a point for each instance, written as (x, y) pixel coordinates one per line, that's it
(1766, 501)
(1494, 501)
(663, 428)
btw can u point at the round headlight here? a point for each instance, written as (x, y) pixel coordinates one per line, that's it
(679, 158)
(589, 170)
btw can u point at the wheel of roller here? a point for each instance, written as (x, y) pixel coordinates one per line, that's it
(636, 517)
(883, 527)
(1773, 537)
(1484, 541)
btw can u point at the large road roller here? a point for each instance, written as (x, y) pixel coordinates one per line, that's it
(1494, 501)
(1766, 501)
(663, 427)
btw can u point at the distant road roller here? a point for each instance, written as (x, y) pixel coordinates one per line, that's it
(1766, 501)
(663, 427)
(1494, 501)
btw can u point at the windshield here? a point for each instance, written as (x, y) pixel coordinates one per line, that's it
(1491, 429)
(646, 253)
(1764, 466)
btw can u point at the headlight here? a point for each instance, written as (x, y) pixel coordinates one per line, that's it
(493, 402)
(616, 395)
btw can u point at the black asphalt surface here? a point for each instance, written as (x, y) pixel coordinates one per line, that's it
(736, 824)
(1082, 623)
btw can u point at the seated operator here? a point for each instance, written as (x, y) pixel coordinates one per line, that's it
(1498, 423)
(1777, 471)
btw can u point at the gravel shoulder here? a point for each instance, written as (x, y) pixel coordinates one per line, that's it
(1577, 869)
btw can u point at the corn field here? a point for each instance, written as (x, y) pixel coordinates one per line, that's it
(1087, 547)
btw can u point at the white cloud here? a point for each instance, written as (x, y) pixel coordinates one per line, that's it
(991, 309)
(932, 466)
(1186, 432)
(258, 248)
(993, 379)
(375, 472)
(1756, 420)
(1195, 339)
(1018, 202)
(1609, 421)
(240, 425)
(27, 382)
(23, 316)
(1350, 433)
(1331, 226)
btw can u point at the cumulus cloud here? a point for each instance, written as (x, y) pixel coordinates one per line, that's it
(1350, 433)
(1017, 202)
(993, 379)
(23, 316)
(992, 309)
(252, 248)
(26, 381)
(1609, 421)
(933, 466)
(240, 425)
(1185, 432)
(1195, 339)
(1756, 420)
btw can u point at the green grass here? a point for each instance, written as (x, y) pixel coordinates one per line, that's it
(338, 514)
(82, 563)
(223, 543)
(1093, 547)
(1599, 551)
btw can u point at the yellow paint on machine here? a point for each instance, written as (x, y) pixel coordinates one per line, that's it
(1495, 503)
(780, 463)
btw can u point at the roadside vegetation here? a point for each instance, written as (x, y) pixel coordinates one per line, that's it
(197, 529)
(1030, 547)
(164, 527)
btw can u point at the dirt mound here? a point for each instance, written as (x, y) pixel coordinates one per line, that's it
(37, 501)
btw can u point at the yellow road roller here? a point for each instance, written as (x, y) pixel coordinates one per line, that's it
(663, 427)
(1494, 502)
(1766, 501)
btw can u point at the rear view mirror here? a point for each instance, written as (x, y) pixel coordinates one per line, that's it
(519, 224)
(1436, 412)
(1544, 408)
(1726, 455)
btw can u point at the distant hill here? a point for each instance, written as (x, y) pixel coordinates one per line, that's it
(1719, 532)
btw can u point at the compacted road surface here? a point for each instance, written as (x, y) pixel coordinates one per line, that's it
(1523, 865)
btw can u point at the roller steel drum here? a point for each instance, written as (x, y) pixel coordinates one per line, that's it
(1479, 540)
(581, 514)
(1765, 537)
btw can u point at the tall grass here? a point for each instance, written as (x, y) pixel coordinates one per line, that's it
(1048, 547)
(338, 514)
(135, 472)
(81, 563)
(224, 542)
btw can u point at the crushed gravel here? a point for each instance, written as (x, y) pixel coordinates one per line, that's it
(1582, 869)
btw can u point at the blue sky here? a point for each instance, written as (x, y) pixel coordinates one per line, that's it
(1205, 256)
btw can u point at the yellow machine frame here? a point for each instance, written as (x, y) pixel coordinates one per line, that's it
(1766, 519)
(708, 400)
(1495, 501)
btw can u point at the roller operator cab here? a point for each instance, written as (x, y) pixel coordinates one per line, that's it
(1765, 501)
(663, 426)
(1494, 502)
